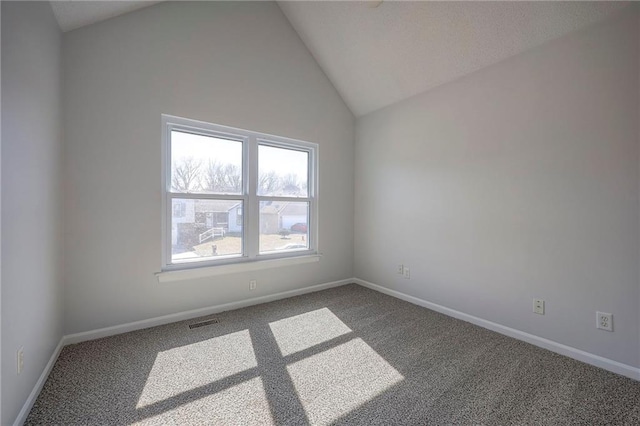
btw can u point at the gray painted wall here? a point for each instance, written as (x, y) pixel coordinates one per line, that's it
(31, 196)
(0, 224)
(235, 64)
(515, 182)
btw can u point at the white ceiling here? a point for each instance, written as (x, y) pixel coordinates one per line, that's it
(72, 14)
(376, 56)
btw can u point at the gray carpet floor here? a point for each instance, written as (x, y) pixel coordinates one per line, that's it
(347, 355)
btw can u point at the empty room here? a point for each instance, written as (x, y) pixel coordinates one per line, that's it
(320, 213)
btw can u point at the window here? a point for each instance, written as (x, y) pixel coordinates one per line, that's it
(233, 195)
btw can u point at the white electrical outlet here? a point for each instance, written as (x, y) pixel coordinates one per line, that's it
(20, 360)
(538, 306)
(253, 284)
(604, 321)
(406, 273)
(400, 270)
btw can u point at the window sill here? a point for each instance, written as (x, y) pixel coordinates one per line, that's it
(190, 274)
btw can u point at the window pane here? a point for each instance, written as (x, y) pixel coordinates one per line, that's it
(284, 226)
(282, 172)
(205, 164)
(205, 229)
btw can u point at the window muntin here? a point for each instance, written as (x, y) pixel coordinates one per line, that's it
(215, 206)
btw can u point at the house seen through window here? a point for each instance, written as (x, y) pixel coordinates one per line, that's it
(234, 195)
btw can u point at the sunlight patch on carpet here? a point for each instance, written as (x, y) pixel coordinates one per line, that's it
(300, 332)
(185, 368)
(245, 403)
(337, 381)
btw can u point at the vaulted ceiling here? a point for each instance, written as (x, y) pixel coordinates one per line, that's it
(376, 56)
(73, 14)
(378, 53)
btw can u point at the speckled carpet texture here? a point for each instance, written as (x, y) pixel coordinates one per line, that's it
(347, 355)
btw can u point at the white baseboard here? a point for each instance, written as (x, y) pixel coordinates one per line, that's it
(152, 322)
(26, 408)
(181, 316)
(580, 355)
(598, 361)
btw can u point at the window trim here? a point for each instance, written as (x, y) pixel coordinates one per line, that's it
(251, 201)
(234, 268)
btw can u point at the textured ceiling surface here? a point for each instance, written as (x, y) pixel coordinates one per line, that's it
(376, 56)
(72, 14)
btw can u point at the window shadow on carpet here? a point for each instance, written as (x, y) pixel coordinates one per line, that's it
(347, 355)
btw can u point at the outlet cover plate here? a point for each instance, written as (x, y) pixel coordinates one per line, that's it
(604, 321)
(538, 306)
(406, 273)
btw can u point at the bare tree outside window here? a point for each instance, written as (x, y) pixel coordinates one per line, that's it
(222, 178)
(290, 184)
(268, 182)
(282, 172)
(186, 175)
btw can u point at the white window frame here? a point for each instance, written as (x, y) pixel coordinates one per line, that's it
(251, 201)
